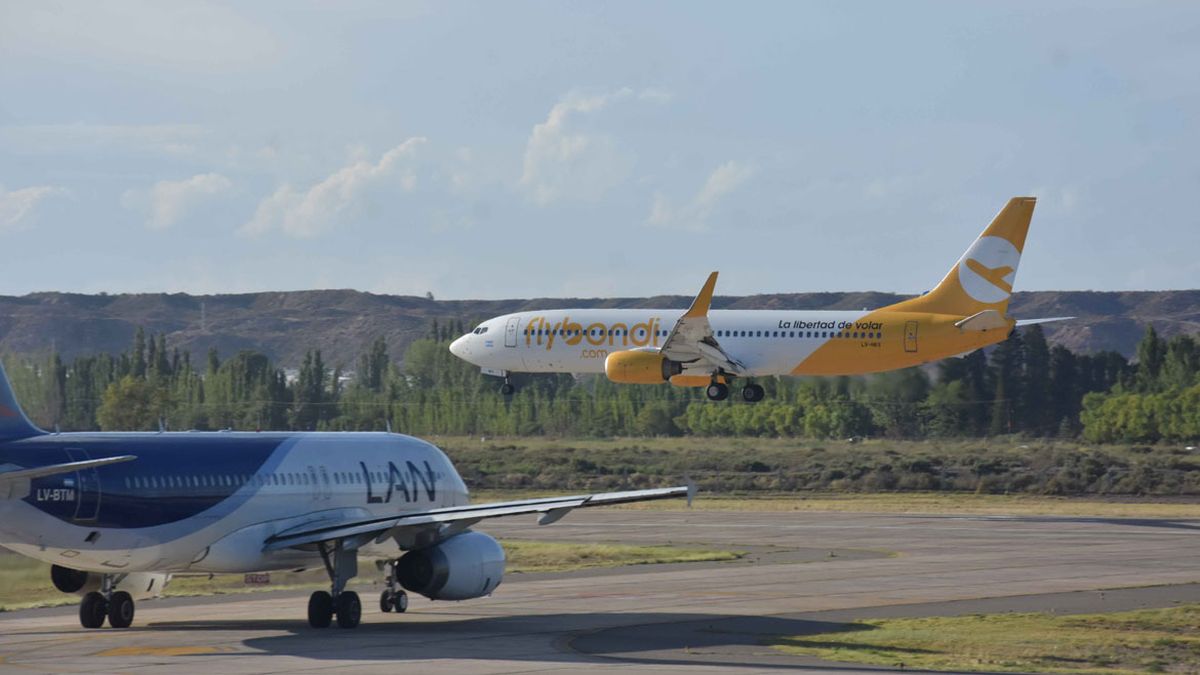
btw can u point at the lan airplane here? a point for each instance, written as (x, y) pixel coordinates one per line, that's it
(117, 514)
(702, 348)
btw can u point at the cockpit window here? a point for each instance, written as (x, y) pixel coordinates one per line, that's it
(479, 330)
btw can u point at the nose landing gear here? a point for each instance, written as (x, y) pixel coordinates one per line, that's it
(392, 599)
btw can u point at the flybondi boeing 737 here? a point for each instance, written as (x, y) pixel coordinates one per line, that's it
(116, 514)
(702, 348)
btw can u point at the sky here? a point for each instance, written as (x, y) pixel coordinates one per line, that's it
(554, 149)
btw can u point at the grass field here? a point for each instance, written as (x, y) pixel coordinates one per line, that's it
(26, 583)
(1157, 640)
(753, 466)
(947, 503)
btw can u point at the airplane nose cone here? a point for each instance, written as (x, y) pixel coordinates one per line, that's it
(459, 347)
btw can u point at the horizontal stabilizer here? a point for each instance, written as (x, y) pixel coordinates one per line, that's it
(14, 482)
(1031, 322)
(988, 319)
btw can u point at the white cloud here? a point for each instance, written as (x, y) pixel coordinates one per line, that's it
(563, 161)
(17, 206)
(694, 215)
(169, 201)
(341, 196)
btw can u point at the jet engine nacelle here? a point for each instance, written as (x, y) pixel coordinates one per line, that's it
(140, 585)
(640, 367)
(469, 565)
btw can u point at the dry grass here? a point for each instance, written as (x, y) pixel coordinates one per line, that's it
(903, 502)
(1155, 640)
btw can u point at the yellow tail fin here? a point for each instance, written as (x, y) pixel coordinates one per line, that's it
(982, 279)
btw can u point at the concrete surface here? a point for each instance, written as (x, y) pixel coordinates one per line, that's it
(807, 572)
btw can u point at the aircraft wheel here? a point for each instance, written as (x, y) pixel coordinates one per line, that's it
(320, 609)
(717, 391)
(349, 610)
(753, 393)
(387, 601)
(400, 602)
(120, 610)
(507, 389)
(92, 610)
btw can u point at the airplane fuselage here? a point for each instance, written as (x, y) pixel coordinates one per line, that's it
(765, 342)
(206, 501)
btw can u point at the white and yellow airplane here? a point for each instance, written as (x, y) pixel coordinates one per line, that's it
(702, 348)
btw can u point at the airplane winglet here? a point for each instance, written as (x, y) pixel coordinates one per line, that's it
(700, 305)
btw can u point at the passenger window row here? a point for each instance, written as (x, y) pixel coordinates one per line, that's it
(811, 334)
(238, 480)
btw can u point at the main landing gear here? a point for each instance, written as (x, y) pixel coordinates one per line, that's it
(752, 393)
(392, 599)
(719, 391)
(342, 565)
(96, 606)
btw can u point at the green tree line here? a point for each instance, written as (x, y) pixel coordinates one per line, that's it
(1022, 386)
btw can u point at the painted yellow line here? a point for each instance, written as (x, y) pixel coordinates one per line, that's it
(194, 650)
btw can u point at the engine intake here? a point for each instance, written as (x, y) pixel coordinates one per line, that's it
(640, 367)
(68, 580)
(469, 565)
(140, 585)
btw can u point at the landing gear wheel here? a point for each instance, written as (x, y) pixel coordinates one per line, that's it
(717, 391)
(320, 609)
(507, 389)
(752, 393)
(93, 610)
(349, 610)
(386, 600)
(120, 610)
(400, 602)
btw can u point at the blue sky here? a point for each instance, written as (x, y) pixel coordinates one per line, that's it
(488, 150)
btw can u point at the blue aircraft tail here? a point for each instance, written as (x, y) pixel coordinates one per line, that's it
(13, 422)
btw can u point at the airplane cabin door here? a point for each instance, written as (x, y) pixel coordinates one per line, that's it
(910, 336)
(87, 487)
(510, 332)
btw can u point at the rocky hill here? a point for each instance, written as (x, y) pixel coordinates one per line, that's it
(339, 322)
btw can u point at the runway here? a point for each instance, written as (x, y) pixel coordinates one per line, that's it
(806, 572)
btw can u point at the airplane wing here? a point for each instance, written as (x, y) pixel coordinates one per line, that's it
(691, 339)
(457, 518)
(1030, 322)
(14, 481)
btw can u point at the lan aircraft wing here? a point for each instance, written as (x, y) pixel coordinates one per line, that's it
(457, 518)
(14, 481)
(691, 339)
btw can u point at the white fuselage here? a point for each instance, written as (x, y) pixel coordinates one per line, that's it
(304, 479)
(765, 342)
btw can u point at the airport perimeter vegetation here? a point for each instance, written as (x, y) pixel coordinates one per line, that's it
(1023, 418)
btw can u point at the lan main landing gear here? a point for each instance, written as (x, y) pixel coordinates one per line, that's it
(392, 600)
(117, 606)
(342, 565)
(752, 393)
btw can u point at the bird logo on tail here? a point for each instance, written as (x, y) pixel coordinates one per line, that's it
(987, 270)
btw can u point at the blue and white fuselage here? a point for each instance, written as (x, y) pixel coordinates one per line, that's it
(206, 502)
